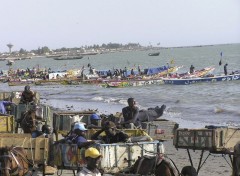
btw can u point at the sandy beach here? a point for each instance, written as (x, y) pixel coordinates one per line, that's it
(215, 165)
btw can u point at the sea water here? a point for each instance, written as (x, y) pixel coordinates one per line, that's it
(191, 106)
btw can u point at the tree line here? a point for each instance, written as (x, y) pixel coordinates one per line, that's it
(45, 49)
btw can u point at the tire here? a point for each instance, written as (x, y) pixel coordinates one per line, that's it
(189, 171)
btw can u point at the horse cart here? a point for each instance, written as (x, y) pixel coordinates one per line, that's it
(116, 157)
(37, 151)
(215, 140)
(160, 129)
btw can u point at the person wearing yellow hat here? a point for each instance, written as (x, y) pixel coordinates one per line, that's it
(112, 134)
(93, 158)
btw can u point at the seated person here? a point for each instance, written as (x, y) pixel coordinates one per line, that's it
(112, 134)
(94, 121)
(46, 131)
(130, 114)
(93, 159)
(80, 136)
(28, 96)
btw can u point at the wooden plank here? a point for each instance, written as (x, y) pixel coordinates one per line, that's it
(9, 135)
(6, 123)
(46, 149)
(37, 149)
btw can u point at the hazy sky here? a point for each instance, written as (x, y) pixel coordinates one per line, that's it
(30, 24)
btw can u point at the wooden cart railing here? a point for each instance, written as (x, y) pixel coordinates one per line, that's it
(37, 148)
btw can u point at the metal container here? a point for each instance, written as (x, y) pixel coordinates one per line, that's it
(115, 156)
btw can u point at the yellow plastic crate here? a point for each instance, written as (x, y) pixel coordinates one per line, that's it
(7, 124)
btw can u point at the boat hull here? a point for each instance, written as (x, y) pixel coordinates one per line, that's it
(199, 80)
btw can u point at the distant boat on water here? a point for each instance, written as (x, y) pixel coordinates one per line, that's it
(53, 56)
(154, 54)
(10, 62)
(68, 57)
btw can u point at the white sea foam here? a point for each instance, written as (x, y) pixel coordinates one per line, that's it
(98, 98)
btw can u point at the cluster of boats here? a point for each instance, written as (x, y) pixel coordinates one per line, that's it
(116, 79)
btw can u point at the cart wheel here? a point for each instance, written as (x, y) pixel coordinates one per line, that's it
(189, 171)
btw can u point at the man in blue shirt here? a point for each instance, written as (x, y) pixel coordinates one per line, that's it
(3, 105)
(80, 136)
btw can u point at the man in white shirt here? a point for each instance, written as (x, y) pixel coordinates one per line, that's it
(93, 158)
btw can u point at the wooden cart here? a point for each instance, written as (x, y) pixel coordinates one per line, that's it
(215, 140)
(116, 157)
(37, 148)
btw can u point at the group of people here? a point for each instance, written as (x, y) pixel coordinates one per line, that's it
(77, 135)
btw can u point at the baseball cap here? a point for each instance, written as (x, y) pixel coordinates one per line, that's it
(79, 126)
(92, 153)
(95, 117)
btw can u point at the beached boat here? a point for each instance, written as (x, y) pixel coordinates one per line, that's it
(131, 83)
(69, 81)
(53, 56)
(187, 81)
(154, 54)
(68, 57)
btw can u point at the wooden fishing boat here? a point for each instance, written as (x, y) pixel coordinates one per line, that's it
(68, 57)
(193, 80)
(154, 54)
(72, 81)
